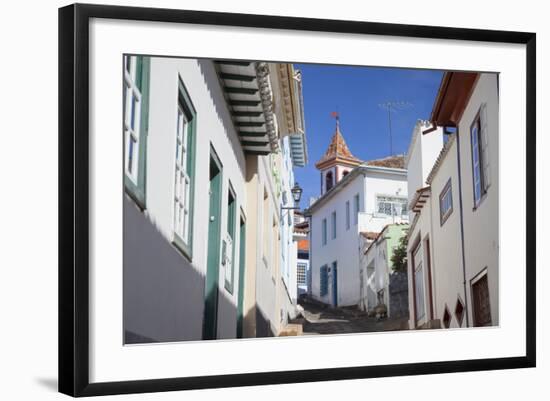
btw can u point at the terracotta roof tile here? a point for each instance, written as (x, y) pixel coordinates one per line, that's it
(303, 245)
(397, 161)
(370, 235)
(440, 158)
(338, 151)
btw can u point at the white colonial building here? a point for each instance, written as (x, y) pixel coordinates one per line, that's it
(207, 161)
(301, 236)
(377, 273)
(453, 240)
(355, 197)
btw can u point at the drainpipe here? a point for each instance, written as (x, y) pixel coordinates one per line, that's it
(461, 223)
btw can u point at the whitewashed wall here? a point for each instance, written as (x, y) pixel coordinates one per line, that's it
(344, 249)
(380, 181)
(214, 128)
(447, 271)
(423, 152)
(481, 228)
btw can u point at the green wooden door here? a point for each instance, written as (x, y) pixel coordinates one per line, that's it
(242, 257)
(213, 259)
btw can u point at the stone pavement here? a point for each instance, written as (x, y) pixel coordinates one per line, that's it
(318, 318)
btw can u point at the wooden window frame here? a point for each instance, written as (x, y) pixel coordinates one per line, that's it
(392, 200)
(444, 216)
(184, 103)
(483, 273)
(484, 185)
(138, 79)
(329, 174)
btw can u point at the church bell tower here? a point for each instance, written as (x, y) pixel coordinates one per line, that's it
(337, 161)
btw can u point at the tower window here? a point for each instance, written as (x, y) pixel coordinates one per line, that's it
(329, 181)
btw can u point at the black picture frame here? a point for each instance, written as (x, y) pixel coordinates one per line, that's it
(74, 198)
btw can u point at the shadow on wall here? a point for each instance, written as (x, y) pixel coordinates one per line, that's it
(211, 82)
(163, 294)
(263, 325)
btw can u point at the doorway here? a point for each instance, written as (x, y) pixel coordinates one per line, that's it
(482, 305)
(210, 322)
(334, 282)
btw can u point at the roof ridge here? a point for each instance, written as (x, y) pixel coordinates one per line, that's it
(338, 149)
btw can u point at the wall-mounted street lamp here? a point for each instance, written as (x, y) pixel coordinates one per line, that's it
(296, 192)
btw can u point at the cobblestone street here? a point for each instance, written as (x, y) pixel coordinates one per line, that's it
(322, 319)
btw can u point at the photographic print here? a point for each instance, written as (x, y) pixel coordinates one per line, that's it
(290, 186)
(268, 199)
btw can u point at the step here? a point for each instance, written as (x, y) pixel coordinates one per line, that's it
(292, 329)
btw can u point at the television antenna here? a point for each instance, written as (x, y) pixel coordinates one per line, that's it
(393, 106)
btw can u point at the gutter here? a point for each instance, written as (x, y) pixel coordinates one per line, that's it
(461, 225)
(463, 251)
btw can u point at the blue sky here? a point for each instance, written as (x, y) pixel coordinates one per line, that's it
(355, 93)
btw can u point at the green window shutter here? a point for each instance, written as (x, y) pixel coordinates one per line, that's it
(231, 230)
(137, 191)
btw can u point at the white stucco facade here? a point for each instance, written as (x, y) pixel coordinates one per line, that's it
(214, 284)
(421, 156)
(342, 250)
(216, 131)
(458, 251)
(481, 227)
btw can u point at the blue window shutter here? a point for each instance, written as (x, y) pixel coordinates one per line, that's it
(324, 281)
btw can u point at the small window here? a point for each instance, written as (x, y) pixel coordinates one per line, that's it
(446, 318)
(132, 115)
(182, 180)
(333, 224)
(301, 274)
(135, 121)
(356, 209)
(391, 205)
(459, 312)
(480, 155)
(481, 302)
(183, 170)
(347, 215)
(445, 202)
(324, 233)
(329, 181)
(323, 280)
